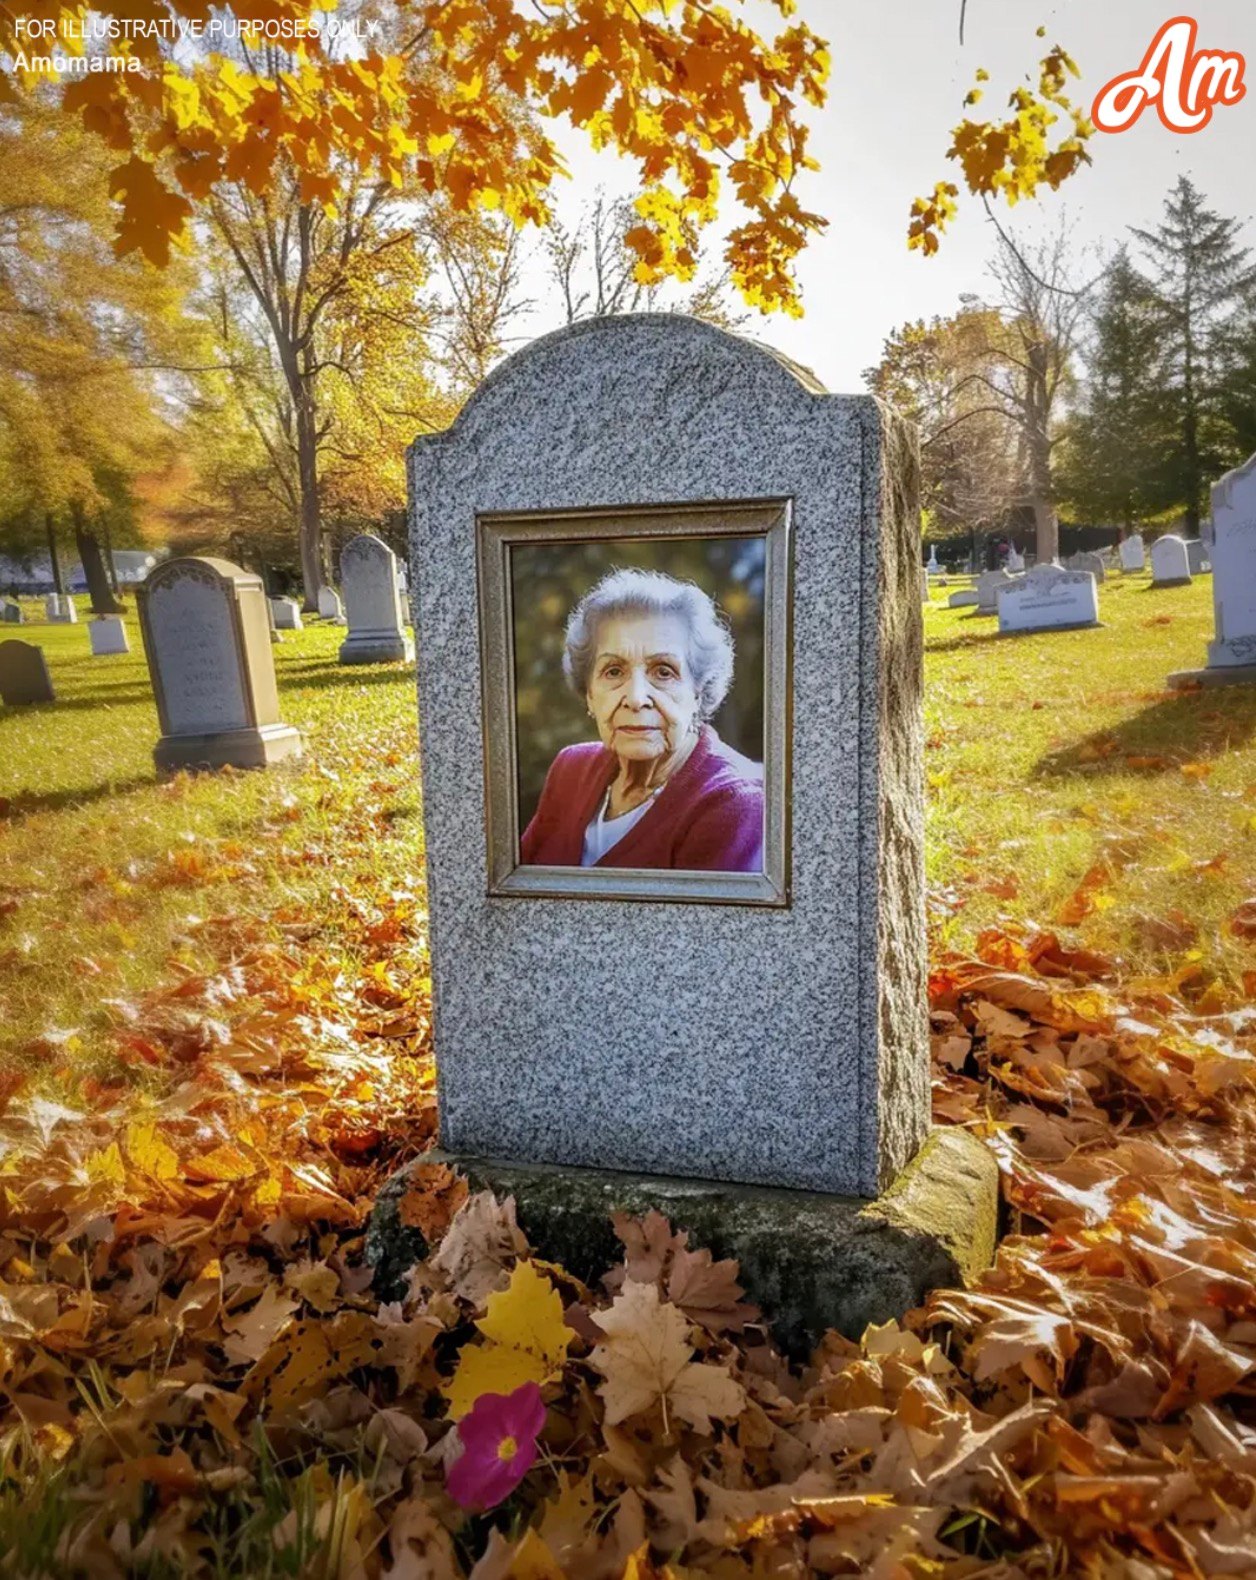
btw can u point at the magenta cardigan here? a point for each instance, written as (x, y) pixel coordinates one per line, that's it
(708, 817)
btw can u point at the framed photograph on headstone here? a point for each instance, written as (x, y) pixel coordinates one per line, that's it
(636, 670)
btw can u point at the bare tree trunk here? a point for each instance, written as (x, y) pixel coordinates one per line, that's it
(93, 563)
(54, 555)
(311, 530)
(111, 570)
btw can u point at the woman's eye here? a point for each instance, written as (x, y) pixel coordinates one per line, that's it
(612, 672)
(665, 672)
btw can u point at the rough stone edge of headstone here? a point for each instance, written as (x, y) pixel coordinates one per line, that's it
(810, 1261)
(1227, 675)
(1172, 581)
(900, 1010)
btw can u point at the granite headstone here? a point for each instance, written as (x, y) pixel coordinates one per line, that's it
(372, 594)
(989, 585)
(10, 612)
(24, 676)
(1231, 543)
(1197, 556)
(108, 635)
(287, 614)
(207, 641)
(330, 606)
(1049, 598)
(778, 1046)
(1170, 564)
(1133, 552)
(60, 609)
(1092, 563)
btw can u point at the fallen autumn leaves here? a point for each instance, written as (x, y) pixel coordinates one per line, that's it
(197, 1378)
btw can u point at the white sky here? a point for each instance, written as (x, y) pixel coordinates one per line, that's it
(898, 84)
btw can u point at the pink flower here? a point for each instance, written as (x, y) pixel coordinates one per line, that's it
(498, 1437)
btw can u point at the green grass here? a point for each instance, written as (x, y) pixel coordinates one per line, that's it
(1057, 755)
(1049, 757)
(105, 872)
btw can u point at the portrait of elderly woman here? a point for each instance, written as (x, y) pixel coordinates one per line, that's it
(651, 658)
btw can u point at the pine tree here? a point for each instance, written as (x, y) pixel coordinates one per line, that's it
(1116, 438)
(1203, 282)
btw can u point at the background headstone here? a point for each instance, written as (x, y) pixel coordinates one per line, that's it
(329, 604)
(1170, 565)
(1197, 556)
(208, 647)
(10, 612)
(1231, 544)
(989, 584)
(1049, 598)
(1133, 553)
(1091, 563)
(933, 559)
(24, 676)
(60, 609)
(924, 584)
(108, 635)
(287, 614)
(965, 598)
(368, 575)
(1015, 559)
(621, 1035)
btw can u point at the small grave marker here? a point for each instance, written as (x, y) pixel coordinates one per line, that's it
(24, 677)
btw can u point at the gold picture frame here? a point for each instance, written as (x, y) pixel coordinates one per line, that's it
(497, 535)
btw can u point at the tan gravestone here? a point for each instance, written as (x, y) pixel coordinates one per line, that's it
(24, 676)
(207, 641)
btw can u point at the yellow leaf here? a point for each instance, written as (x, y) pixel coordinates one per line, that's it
(149, 1153)
(527, 1341)
(107, 1165)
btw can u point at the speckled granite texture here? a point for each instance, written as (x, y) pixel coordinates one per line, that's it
(774, 1047)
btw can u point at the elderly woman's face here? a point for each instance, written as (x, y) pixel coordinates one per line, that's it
(641, 691)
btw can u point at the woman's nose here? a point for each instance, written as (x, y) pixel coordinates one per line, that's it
(638, 689)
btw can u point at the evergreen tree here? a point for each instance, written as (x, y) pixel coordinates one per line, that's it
(1204, 286)
(1114, 442)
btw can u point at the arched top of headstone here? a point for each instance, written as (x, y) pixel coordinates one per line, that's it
(200, 567)
(1225, 491)
(597, 360)
(366, 545)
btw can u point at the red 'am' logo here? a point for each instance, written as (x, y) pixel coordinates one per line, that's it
(1182, 82)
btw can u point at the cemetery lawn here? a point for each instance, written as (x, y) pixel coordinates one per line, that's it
(1069, 789)
(214, 1047)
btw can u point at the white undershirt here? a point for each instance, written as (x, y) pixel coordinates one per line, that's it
(604, 834)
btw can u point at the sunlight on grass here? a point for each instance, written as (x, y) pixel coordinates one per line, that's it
(108, 873)
(1068, 787)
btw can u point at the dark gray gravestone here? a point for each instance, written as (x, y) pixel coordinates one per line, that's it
(24, 676)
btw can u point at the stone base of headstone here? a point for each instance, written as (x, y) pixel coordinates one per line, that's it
(1171, 581)
(256, 748)
(1223, 675)
(811, 1261)
(367, 649)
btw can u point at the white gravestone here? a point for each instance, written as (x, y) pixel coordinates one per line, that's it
(330, 606)
(207, 642)
(1197, 556)
(1133, 552)
(1015, 560)
(1170, 564)
(989, 585)
(933, 560)
(1049, 598)
(287, 614)
(1231, 543)
(368, 574)
(108, 635)
(1093, 563)
(966, 598)
(924, 585)
(59, 609)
